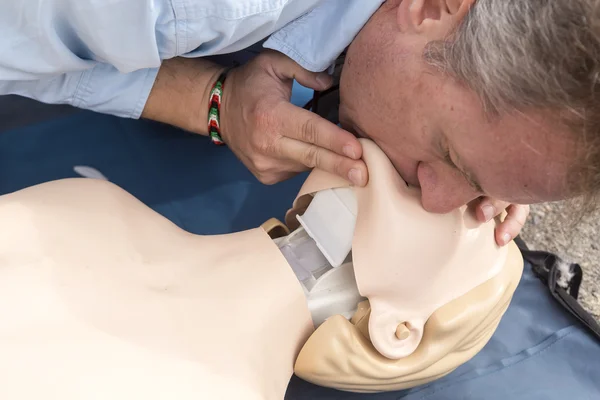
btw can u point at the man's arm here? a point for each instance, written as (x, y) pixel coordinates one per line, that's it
(40, 39)
(106, 56)
(180, 94)
(102, 56)
(317, 38)
(102, 89)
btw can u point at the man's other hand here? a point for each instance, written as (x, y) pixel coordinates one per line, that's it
(510, 227)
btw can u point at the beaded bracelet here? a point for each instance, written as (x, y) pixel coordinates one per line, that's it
(214, 109)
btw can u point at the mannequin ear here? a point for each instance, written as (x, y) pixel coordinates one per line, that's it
(435, 19)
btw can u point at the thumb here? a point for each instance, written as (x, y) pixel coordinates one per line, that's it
(318, 81)
(285, 67)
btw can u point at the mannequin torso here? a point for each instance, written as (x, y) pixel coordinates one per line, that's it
(134, 307)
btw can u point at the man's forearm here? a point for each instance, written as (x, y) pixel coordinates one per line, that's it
(180, 94)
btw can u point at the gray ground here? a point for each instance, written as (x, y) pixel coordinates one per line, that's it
(550, 228)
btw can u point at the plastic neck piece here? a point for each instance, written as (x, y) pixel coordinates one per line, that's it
(304, 257)
(329, 291)
(330, 220)
(319, 253)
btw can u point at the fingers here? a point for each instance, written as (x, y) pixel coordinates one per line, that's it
(512, 224)
(490, 208)
(286, 68)
(274, 178)
(308, 127)
(314, 156)
(313, 80)
(275, 138)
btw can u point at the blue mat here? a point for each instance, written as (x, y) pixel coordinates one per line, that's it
(201, 187)
(538, 352)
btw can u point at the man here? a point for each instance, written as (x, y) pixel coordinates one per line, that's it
(470, 99)
(481, 98)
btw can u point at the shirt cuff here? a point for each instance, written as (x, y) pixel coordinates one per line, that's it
(105, 90)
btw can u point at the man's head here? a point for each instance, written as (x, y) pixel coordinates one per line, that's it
(480, 97)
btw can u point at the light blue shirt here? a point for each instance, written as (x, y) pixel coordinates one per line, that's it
(104, 55)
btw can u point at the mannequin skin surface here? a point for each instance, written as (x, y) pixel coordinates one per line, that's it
(101, 297)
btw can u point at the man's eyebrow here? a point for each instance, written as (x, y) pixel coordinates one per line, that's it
(469, 176)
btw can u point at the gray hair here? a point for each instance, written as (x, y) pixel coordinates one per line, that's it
(523, 54)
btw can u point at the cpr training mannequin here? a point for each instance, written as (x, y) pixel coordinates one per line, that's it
(101, 297)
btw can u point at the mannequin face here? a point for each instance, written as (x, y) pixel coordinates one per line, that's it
(407, 261)
(410, 262)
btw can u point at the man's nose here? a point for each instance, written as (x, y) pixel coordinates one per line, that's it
(446, 200)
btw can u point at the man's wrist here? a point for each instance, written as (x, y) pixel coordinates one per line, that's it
(180, 95)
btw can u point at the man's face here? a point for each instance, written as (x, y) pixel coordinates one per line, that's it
(434, 129)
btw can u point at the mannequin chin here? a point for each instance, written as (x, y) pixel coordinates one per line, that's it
(102, 297)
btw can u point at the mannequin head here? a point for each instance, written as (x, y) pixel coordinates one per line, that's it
(437, 286)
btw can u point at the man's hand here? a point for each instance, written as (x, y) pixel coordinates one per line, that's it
(516, 216)
(276, 139)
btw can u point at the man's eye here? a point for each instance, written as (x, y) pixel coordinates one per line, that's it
(448, 159)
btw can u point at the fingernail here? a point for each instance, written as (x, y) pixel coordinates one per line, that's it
(505, 238)
(355, 177)
(324, 80)
(488, 212)
(349, 151)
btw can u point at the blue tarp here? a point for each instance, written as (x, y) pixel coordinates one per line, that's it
(538, 352)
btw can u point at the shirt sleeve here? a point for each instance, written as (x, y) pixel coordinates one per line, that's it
(102, 89)
(104, 55)
(98, 55)
(317, 38)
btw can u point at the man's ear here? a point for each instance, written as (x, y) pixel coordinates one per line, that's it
(435, 19)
